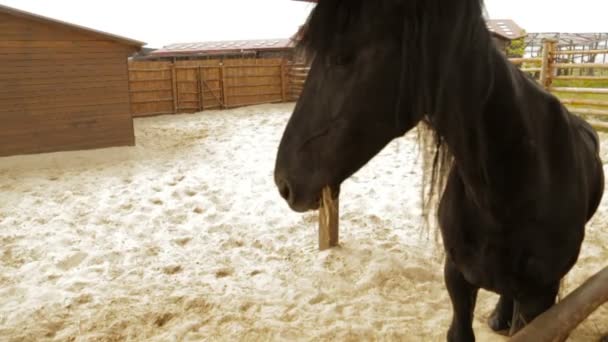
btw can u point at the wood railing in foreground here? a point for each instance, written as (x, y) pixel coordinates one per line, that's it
(556, 324)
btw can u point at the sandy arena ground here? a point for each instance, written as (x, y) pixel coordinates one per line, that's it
(185, 238)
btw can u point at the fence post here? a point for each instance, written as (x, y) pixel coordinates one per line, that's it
(546, 74)
(131, 92)
(174, 87)
(200, 88)
(223, 86)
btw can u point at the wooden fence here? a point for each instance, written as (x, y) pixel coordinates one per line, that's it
(192, 86)
(297, 77)
(590, 98)
(584, 100)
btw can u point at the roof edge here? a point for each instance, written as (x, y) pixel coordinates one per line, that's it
(36, 17)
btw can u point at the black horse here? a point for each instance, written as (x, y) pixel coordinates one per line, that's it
(519, 176)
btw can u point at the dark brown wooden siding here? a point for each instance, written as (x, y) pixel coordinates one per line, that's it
(61, 89)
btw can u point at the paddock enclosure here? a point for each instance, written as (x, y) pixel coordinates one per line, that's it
(164, 87)
(62, 87)
(185, 238)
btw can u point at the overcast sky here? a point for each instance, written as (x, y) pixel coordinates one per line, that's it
(163, 22)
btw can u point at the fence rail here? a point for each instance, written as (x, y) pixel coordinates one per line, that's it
(581, 52)
(581, 78)
(525, 60)
(581, 65)
(587, 111)
(580, 90)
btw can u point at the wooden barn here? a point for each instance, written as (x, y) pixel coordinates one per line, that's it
(62, 86)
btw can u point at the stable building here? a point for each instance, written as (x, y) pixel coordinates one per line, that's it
(62, 86)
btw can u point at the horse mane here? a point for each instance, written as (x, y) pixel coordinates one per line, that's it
(447, 74)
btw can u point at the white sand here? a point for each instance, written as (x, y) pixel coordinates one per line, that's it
(185, 237)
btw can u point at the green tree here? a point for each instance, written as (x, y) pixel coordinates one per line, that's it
(517, 47)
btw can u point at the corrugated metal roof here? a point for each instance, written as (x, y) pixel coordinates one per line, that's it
(505, 28)
(226, 46)
(31, 16)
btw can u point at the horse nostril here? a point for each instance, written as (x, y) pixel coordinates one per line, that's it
(284, 189)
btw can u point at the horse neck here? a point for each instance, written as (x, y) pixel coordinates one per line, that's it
(482, 123)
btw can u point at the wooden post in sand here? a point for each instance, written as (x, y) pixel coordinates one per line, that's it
(328, 220)
(557, 323)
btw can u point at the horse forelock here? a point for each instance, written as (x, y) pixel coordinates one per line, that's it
(332, 20)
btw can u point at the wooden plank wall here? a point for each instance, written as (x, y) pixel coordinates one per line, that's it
(192, 86)
(254, 81)
(151, 88)
(297, 77)
(60, 89)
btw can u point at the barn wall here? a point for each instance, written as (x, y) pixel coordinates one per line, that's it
(61, 89)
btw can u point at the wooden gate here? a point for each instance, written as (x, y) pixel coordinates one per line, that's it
(192, 86)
